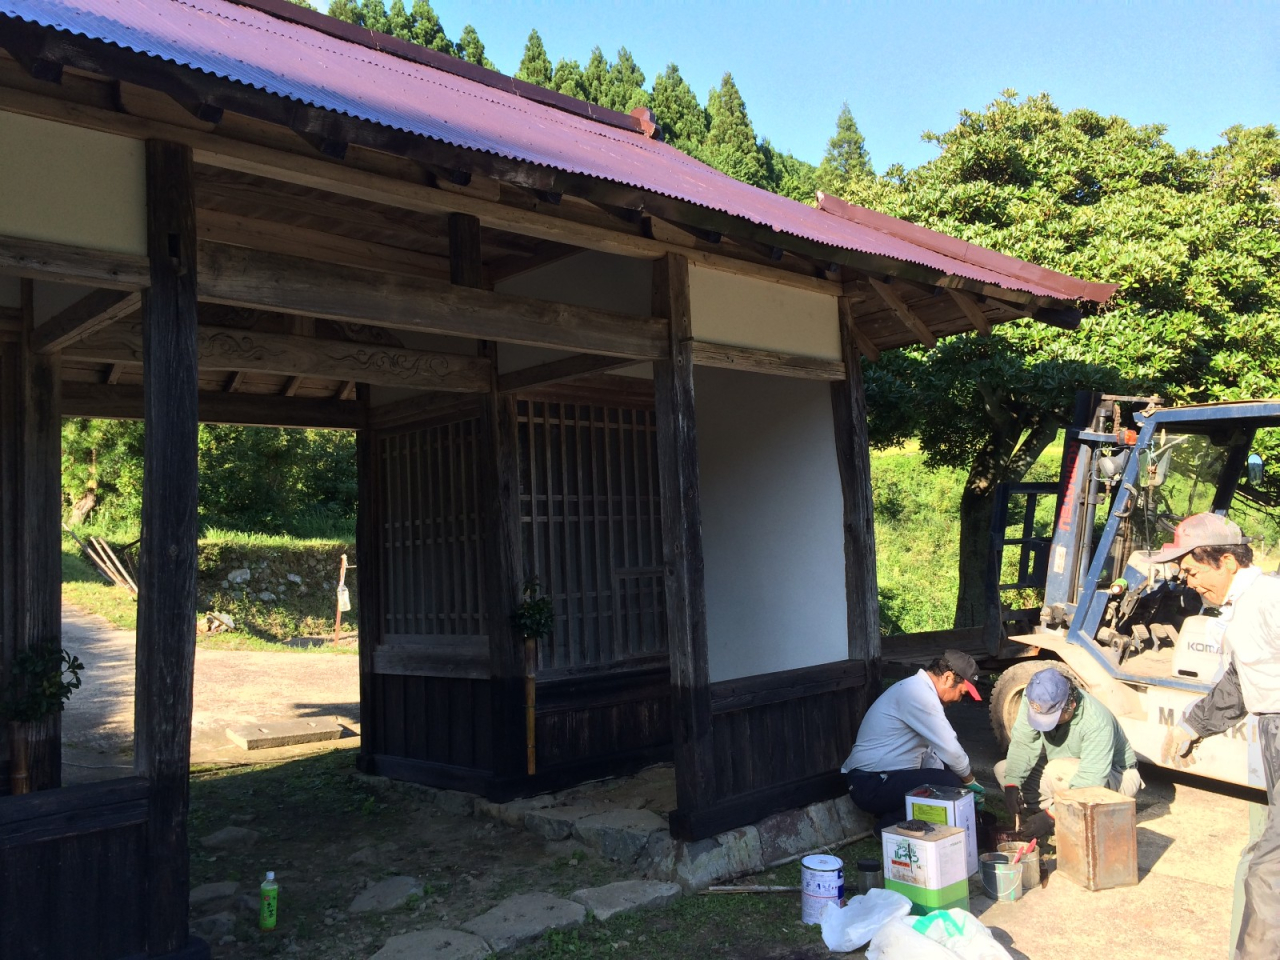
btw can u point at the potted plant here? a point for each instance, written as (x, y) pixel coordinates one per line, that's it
(533, 620)
(40, 683)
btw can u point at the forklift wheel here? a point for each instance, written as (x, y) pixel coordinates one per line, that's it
(1006, 695)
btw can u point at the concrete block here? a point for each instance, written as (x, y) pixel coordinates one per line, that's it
(626, 896)
(283, 733)
(524, 918)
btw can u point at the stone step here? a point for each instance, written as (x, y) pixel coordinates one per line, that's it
(283, 733)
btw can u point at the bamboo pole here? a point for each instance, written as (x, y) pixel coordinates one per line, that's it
(530, 703)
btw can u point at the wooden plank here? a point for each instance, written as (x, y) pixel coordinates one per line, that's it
(414, 660)
(905, 314)
(289, 239)
(39, 259)
(966, 302)
(744, 808)
(246, 278)
(125, 402)
(853, 456)
(765, 361)
(850, 323)
(465, 266)
(84, 317)
(682, 541)
(170, 524)
(745, 693)
(558, 371)
(228, 348)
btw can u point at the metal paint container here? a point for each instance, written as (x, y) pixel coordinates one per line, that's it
(1001, 879)
(1030, 862)
(1097, 837)
(821, 883)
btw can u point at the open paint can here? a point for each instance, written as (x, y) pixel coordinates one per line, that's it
(821, 883)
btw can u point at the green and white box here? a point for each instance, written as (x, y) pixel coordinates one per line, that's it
(928, 867)
(949, 806)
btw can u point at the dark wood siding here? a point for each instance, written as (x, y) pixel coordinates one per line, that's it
(434, 720)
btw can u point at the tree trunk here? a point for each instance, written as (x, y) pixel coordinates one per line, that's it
(976, 508)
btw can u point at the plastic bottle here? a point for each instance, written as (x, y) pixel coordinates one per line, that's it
(270, 891)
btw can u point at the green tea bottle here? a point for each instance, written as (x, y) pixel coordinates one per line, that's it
(270, 894)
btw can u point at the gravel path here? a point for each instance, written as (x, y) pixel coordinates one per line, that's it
(231, 687)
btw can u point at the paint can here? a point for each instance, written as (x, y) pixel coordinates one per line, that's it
(821, 883)
(1001, 880)
(1030, 863)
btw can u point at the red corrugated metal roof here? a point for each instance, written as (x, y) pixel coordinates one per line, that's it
(290, 59)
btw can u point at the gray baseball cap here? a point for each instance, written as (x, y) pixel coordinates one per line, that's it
(1199, 530)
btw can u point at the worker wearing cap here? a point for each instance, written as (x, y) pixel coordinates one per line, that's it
(906, 741)
(1070, 740)
(1214, 555)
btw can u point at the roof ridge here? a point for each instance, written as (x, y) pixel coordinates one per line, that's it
(385, 43)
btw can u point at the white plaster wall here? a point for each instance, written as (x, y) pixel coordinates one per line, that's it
(747, 312)
(63, 184)
(772, 523)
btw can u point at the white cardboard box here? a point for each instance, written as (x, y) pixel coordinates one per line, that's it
(952, 806)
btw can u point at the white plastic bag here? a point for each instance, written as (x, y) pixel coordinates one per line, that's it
(847, 928)
(962, 933)
(898, 940)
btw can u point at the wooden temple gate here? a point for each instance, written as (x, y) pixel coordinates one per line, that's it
(642, 387)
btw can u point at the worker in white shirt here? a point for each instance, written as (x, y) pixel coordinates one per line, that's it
(1218, 563)
(906, 741)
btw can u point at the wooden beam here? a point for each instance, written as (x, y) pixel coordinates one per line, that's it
(225, 348)
(853, 456)
(291, 387)
(465, 266)
(436, 407)
(87, 315)
(240, 277)
(516, 264)
(113, 375)
(316, 245)
(124, 402)
(167, 555)
(558, 371)
(348, 391)
(234, 381)
(971, 310)
(765, 361)
(370, 510)
(850, 323)
(686, 607)
(912, 322)
(41, 260)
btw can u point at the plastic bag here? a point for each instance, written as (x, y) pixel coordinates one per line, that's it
(849, 927)
(962, 933)
(898, 940)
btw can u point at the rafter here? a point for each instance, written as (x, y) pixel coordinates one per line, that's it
(971, 310)
(905, 313)
(558, 371)
(87, 315)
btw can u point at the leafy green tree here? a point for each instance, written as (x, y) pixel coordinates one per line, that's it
(596, 76)
(846, 158)
(535, 65)
(102, 472)
(789, 175)
(399, 23)
(470, 49)
(625, 84)
(348, 11)
(302, 3)
(427, 31)
(731, 145)
(1192, 240)
(373, 15)
(568, 80)
(676, 107)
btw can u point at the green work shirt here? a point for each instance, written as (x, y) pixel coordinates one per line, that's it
(1093, 736)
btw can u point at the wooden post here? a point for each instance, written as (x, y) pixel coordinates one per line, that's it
(36, 547)
(369, 583)
(853, 453)
(500, 491)
(167, 553)
(686, 606)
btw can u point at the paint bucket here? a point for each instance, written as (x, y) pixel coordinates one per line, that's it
(821, 883)
(1030, 862)
(1001, 880)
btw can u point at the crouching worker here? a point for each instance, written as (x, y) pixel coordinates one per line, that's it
(1063, 738)
(905, 740)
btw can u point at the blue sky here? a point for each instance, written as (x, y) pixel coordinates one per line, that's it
(911, 66)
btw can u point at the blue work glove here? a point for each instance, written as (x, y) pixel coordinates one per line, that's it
(978, 789)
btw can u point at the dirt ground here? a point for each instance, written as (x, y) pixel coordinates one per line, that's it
(328, 832)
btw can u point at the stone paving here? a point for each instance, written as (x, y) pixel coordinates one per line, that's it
(623, 819)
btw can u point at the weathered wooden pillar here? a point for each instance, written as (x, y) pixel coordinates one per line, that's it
(31, 461)
(853, 453)
(368, 579)
(504, 566)
(686, 606)
(167, 553)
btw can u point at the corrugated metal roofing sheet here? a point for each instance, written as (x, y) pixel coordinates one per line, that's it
(288, 59)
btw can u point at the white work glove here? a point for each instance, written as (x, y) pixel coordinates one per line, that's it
(1177, 749)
